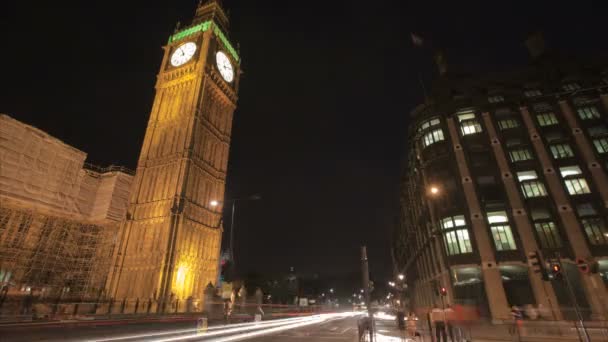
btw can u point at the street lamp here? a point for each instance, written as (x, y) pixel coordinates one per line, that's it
(401, 276)
(331, 290)
(434, 190)
(214, 203)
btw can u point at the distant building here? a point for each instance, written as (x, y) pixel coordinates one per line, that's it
(499, 166)
(58, 216)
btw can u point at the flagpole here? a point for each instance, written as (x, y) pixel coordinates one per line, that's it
(418, 42)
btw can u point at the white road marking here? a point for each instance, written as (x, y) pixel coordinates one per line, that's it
(345, 330)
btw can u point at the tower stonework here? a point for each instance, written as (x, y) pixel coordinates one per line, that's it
(169, 244)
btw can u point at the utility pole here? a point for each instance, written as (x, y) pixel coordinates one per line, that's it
(365, 270)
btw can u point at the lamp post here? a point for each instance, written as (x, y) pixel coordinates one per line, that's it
(215, 203)
(433, 194)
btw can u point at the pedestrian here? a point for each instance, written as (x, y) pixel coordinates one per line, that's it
(411, 324)
(227, 311)
(531, 312)
(517, 316)
(363, 327)
(27, 303)
(438, 319)
(449, 321)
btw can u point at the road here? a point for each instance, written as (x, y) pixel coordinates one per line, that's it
(344, 329)
(324, 327)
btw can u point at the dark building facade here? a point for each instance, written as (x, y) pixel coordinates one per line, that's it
(503, 165)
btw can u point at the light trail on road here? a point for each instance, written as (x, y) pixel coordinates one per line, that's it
(232, 332)
(271, 328)
(191, 330)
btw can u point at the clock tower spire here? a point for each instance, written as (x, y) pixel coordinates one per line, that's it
(169, 245)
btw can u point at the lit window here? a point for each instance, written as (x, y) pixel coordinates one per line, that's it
(520, 155)
(453, 222)
(547, 119)
(526, 175)
(532, 93)
(496, 99)
(497, 217)
(501, 231)
(432, 137)
(466, 115)
(428, 124)
(601, 145)
(594, 227)
(530, 185)
(468, 122)
(560, 151)
(548, 235)
(457, 239)
(596, 231)
(533, 188)
(577, 186)
(503, 238)
(470, 127)
(575, 183)
(567, 171)
(571, 86)
(508, 123)
(587, 113)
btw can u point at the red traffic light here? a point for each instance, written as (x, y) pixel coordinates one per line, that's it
(443, 291)
(556, 268)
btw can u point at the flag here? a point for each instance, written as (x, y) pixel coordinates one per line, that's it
(416, 40)
(442, 63)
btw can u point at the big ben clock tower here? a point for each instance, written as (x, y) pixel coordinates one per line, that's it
(169, 244)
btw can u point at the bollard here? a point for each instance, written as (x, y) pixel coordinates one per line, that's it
(75, 312)
(149, 305)
(122, 306)
(176, 305)
(136, 305)
(201, 325)
(110, 306)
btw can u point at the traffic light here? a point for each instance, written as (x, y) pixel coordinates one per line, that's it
(537, 264)
(226, 271)
(443, 291)
(556, 271)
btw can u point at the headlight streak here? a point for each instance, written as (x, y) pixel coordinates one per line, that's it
(234, 330)
(265, 329)
(252, 325)
(270, 331)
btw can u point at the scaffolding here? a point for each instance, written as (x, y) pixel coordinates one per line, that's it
(54, 255)
(58, 217)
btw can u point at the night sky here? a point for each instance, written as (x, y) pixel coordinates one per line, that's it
(320, 127)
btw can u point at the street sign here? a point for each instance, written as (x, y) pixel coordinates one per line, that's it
(582, 264)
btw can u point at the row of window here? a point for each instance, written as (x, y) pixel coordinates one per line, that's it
(534, 92)
(470, 125)
(574, 182)
(458, 241)
(558, 151)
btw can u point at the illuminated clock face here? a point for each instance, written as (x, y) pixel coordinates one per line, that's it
(224, 66)
(183, 54)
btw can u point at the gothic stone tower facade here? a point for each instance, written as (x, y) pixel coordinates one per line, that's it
(169, 244)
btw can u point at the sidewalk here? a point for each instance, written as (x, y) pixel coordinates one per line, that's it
(562, 331)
